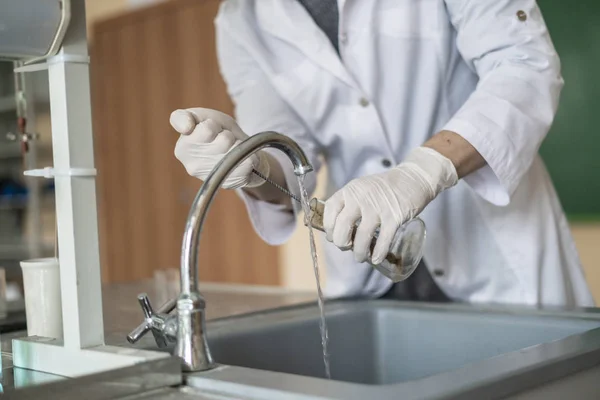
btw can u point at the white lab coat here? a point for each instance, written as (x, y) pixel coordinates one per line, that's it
(408, 69)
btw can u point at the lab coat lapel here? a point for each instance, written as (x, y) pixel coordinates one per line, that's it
(290, 22)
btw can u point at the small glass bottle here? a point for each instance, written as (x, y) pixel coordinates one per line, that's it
(405, 252)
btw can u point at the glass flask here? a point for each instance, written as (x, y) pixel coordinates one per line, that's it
(405, 252)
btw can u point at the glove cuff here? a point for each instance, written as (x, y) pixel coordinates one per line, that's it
(438, 170)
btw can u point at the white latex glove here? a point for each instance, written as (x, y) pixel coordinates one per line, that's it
(206, 136)
(386, 200)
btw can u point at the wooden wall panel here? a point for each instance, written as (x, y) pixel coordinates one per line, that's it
(145, 65)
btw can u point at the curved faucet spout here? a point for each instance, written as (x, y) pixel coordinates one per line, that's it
(206, 194)
(192, 346)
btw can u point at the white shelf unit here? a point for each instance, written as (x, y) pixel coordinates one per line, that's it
(81, 350)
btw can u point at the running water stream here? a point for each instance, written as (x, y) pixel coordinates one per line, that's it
(313, 252)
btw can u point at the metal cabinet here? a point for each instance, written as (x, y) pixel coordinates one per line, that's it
(25, 204)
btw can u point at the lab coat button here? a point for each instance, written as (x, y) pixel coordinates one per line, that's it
(438, 272)
(522, 15)
(364, 102)
(343, 38)
(386, 163)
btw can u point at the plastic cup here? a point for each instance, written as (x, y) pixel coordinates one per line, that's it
(43, 306)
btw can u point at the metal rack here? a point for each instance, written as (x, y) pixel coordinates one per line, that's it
(20, 214)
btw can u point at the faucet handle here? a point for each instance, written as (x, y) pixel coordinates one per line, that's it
(156, 322)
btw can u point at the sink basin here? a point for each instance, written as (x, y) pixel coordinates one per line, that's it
(381, 344)
(381, 348)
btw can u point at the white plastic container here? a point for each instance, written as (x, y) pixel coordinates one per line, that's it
(41, 283)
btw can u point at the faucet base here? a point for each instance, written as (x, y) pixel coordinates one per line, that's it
(192, 346)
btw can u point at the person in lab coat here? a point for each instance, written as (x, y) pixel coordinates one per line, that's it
(434, 108)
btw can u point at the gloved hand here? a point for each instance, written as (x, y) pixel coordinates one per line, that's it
(206, 136)
(386, 200)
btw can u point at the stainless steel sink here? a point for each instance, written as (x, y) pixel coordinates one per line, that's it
(380, 349)
(381, 343)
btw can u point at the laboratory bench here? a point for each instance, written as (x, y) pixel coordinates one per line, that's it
(122, 313)
(267, 343)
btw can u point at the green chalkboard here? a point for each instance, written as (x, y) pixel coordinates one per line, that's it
(572, 149)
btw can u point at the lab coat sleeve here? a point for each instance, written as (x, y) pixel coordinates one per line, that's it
(259, 108)
(507, 44)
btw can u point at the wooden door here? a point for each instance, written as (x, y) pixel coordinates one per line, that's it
(144, 65)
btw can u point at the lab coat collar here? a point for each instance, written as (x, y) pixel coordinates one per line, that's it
(290, 22)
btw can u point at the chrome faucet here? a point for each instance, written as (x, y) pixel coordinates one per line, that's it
(187, 328)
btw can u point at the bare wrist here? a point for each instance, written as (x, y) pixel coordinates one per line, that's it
(464, 156)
